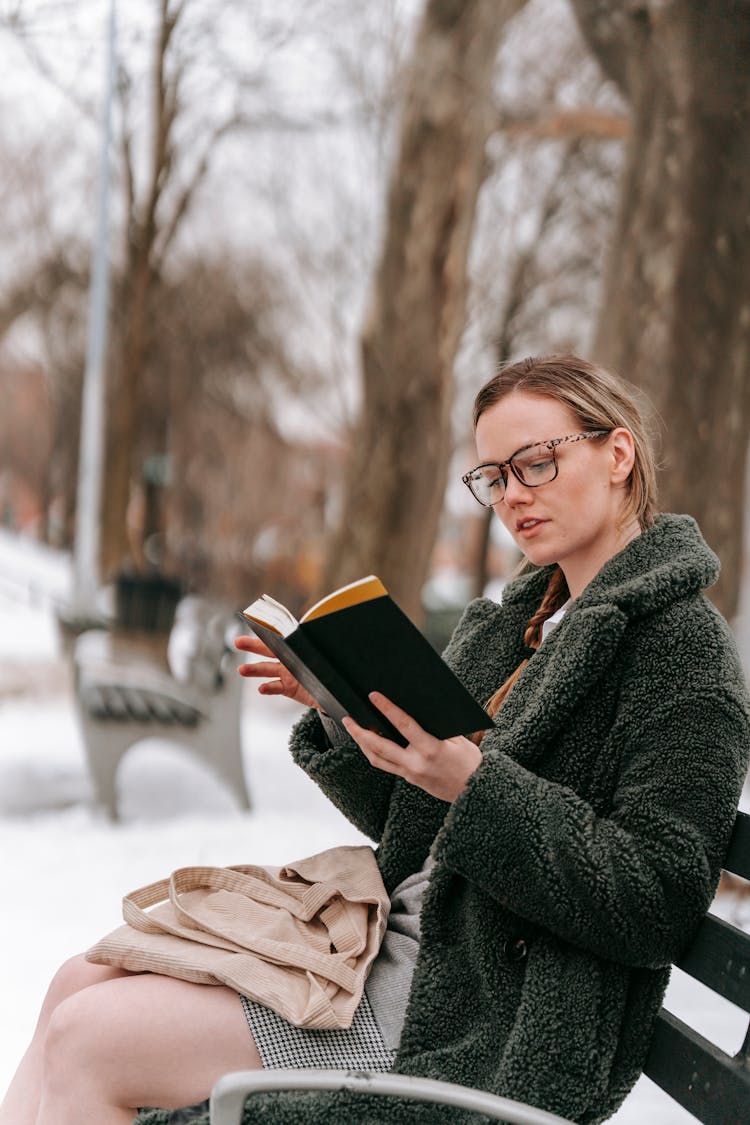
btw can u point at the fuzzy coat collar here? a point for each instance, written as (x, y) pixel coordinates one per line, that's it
(668, 563)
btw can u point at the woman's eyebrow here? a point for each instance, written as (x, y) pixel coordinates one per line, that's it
(504, 460)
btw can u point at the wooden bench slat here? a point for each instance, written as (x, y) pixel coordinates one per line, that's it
(137, 705)
(738, 854)
(699, 1075)
(123, 703)
(719, 957)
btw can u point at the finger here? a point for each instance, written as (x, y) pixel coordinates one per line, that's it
(260, 669)
(252, 644)
(404, 724)
(380, 751)
(378, 761)
(271, 687)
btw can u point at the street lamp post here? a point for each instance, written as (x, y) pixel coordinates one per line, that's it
(91, 455)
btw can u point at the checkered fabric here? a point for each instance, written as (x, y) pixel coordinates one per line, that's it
(281, 1045)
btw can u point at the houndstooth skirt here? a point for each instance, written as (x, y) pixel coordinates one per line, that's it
(281, 1045)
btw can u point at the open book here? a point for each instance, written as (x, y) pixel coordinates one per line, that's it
(357, 640)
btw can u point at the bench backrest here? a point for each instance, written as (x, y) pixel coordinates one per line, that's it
(710, 1084)
(198, 643)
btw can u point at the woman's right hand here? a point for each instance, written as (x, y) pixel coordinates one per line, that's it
(278, 680)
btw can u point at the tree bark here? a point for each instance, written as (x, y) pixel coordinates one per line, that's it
(397, 469)
(676, 311)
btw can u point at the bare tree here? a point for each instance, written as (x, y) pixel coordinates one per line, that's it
(153, 219)
(200, 90)
(168, 146)
(232, 475)
(396, 476)
(675, 314)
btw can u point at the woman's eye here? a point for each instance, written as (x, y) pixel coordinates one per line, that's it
(535, 468)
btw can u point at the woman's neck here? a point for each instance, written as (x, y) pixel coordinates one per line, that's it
(578, 577)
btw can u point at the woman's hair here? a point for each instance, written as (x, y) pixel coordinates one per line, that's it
(599, 401)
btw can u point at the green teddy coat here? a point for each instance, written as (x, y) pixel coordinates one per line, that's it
(584, 851)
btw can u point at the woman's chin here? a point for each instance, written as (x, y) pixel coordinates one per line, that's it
(539, 555)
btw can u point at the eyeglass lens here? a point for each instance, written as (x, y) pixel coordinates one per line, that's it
(532, 467)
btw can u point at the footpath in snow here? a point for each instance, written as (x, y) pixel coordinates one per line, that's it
(66, 867)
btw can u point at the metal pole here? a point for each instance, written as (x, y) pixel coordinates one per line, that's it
(91, 455)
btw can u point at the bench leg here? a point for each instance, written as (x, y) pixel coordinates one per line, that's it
(104, 746)
(228, 763)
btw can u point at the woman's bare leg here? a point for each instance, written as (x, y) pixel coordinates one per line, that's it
(139, 1040)
(21, 1103)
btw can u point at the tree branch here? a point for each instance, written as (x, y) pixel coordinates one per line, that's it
(566, 124)
(186, 196)
(15, 26)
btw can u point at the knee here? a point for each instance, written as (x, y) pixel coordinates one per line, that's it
(72, 976)
(67, 1042)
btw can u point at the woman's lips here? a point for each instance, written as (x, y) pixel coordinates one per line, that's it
(528, 528)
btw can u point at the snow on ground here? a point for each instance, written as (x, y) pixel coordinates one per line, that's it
(32, 572)
(65, 867)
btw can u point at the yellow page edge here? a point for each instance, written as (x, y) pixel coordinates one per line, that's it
(363, 590)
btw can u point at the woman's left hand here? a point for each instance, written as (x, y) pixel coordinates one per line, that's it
(439, 766)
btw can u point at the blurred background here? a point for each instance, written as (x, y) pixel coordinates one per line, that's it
(257, 258)
(281, 245)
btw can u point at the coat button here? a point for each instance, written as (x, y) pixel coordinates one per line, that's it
(515, 949)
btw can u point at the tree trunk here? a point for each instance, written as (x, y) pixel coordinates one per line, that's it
(676, 311)
(142, 271)
(124, 420)
(397, 469)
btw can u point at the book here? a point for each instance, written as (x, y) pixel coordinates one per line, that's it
(357, 640)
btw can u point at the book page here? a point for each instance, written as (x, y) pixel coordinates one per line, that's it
(267, 611)
(363, 590)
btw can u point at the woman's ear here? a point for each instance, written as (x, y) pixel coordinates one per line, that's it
(622, 451)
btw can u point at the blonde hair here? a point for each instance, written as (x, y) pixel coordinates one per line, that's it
(599, 401)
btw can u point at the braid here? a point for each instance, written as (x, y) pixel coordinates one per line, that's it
(555, 595)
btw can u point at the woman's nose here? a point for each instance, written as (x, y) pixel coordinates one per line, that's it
(515, 492)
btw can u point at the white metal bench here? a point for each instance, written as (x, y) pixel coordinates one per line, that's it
(130, 686)
(232, 1091)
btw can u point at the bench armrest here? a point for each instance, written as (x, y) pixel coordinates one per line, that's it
(99, 649)
(230, 1093)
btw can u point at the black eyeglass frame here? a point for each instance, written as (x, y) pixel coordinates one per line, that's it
(503, 466)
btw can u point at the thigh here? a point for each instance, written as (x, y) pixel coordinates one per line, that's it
(153, 1040)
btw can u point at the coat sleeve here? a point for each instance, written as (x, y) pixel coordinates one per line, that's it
(361, 792)
(630, 886)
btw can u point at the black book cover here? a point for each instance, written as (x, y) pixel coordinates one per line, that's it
(340, 657)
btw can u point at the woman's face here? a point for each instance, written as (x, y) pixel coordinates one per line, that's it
(573, 519)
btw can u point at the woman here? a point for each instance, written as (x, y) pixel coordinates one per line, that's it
(542, 881)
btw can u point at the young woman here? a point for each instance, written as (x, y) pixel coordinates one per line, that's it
(543, 880)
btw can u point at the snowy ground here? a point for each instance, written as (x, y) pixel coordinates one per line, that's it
(65, 867)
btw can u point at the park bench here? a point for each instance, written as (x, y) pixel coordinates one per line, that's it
(181, 686)
(712, 1086)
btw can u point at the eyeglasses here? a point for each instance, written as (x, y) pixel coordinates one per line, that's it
(533, 465)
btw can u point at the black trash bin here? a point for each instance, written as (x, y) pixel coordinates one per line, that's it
(147, 601)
